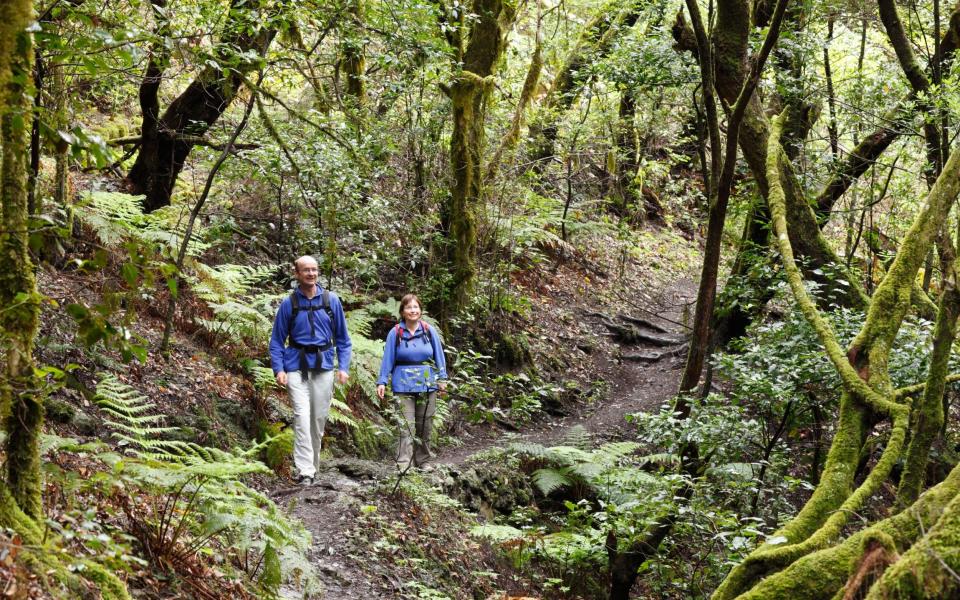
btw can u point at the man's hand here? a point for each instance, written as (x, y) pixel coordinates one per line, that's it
(282, 378)
(381, 390)
(442, 386)
(342, 377)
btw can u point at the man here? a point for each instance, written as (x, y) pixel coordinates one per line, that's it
(311, 318)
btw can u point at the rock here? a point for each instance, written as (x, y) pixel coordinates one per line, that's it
(362, 469)
(84, 423)
(59, 411)
(489, 488)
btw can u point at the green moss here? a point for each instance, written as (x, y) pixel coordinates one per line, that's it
(928, 569)
(821, 574)
(929, 412)
(513, 351)
(822, 518)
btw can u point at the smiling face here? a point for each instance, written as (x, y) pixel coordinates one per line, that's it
(411, 311)
(306, 271)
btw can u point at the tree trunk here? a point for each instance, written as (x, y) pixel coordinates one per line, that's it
(353, 62)
(867, 390)
(631, 199)
(21, 405)
(530, 82)
(469, 93)
(164, 145)
(732, 322)
(928, 412)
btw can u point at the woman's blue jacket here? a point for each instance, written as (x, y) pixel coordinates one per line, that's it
(416, 363)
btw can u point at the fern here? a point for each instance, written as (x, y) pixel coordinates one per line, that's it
(220, 506)
(236, 314)
(578, 437)
(215, 284)
(115, 217)
(128, 409)
(529, 449)
(497, 533)
(567, 466)
(111, 215)
(340, 413)
(550, 480)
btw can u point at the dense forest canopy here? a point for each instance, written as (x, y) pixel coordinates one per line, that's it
(693, 265)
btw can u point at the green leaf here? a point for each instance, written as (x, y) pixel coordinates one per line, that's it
(271, 577)
(129, 272)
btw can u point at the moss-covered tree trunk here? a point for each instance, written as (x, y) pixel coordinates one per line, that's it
(21, 405)
(732, 319)
(928, 412)
(867, 395)
(352, 60)
(530, 82)
(631, 199)
(468, 92)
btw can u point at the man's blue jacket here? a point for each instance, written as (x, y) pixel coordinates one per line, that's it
(415, 364)
(285, 358)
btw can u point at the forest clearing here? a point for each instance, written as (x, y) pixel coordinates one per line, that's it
(479, 299)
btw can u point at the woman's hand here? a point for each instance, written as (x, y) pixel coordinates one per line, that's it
(442, 386)
(381, 390)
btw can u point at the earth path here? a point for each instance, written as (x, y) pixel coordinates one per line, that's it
(328, 508)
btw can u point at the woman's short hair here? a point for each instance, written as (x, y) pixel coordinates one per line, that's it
(407, 300)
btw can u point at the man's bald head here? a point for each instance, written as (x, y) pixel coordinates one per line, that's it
(304, 261)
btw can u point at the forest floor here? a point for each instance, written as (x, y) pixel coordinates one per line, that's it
(359, 559)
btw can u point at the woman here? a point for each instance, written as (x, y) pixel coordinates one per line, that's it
(413, 361)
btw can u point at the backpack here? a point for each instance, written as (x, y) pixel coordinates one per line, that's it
(324, 305)
(426, 332)
(304, 350)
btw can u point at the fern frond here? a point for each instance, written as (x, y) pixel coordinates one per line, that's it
(548, 480)
(111, 215)
(341, 413)
(497, 533)
(578, 437)
(660, 458)
(528, 449)
(612, 452)
(588, 471)
(568, 455)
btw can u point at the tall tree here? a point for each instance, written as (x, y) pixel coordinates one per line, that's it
(594, 43)
(352, 60)
(477, 44)
(625, 562)
(735, 316)
(21, 405)
(774, 570)
(21, 402)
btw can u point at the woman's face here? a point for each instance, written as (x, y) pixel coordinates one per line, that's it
(411, 312)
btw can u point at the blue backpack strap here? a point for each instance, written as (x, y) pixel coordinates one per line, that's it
(329, 310)
(428, 334)
(295, 308)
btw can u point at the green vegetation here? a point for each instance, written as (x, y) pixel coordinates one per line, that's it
(554, 180)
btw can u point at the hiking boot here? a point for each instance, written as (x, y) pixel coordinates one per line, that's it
(305, 480)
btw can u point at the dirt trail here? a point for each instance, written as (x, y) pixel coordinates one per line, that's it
(329, 508)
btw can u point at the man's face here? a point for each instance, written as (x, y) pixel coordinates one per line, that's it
(306, 272)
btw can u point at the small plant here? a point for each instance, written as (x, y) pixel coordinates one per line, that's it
(186, 500)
